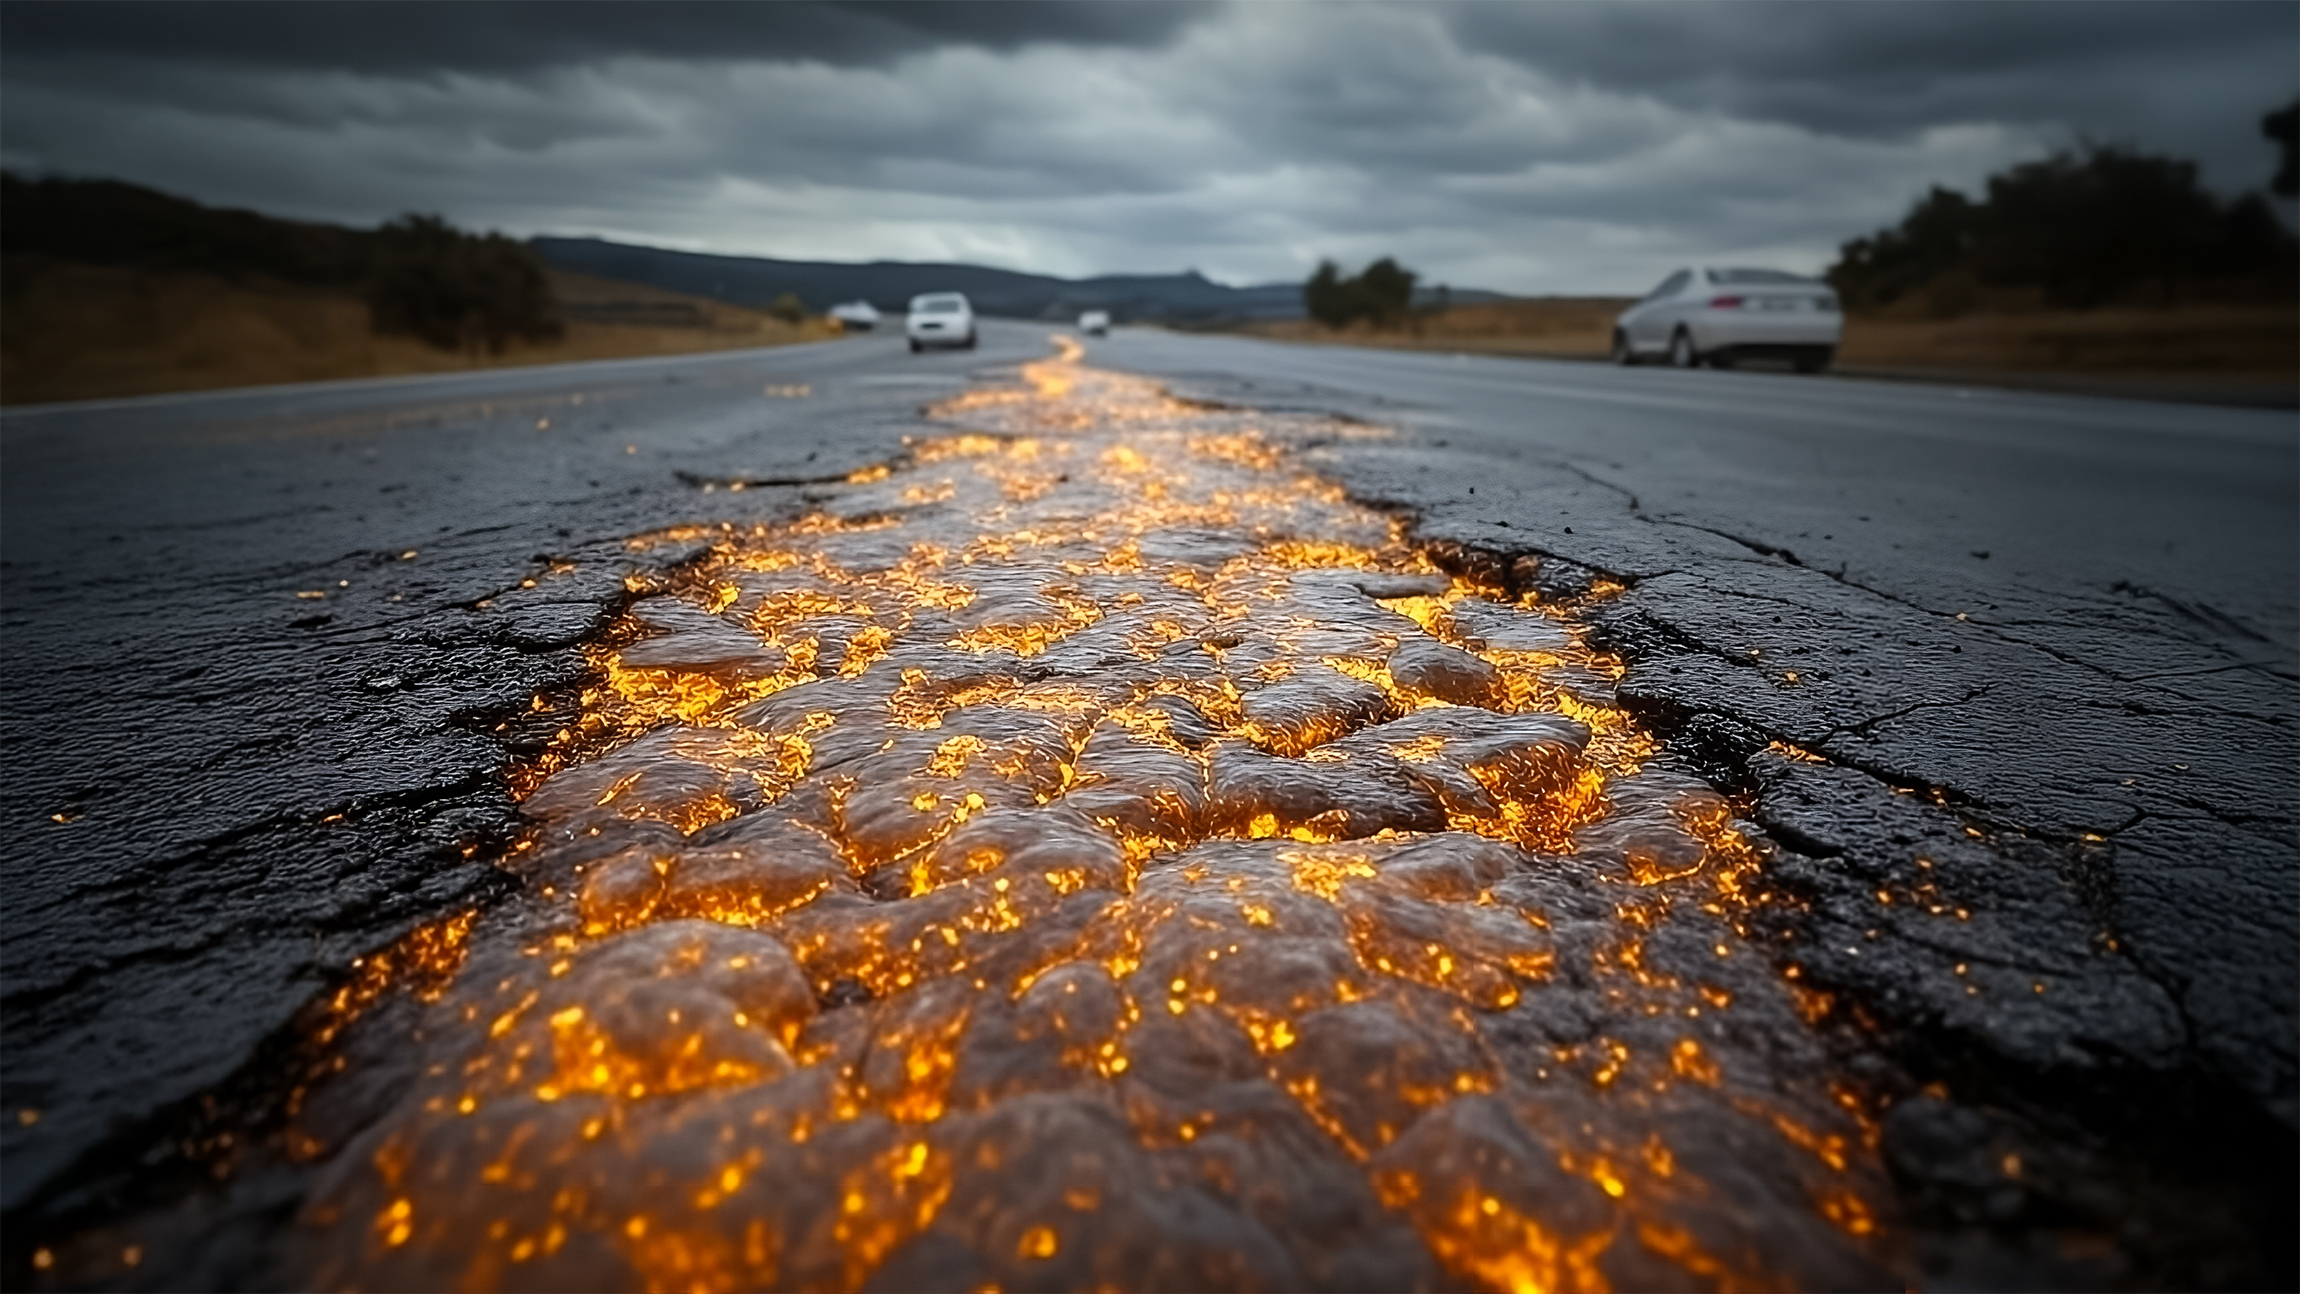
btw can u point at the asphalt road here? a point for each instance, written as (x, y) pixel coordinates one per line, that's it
(255, 637)
(1900, 487)
(179, 715)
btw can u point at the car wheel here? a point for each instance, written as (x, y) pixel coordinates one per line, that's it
(915, 346)
(1622, 355)
(970, 340)
(1681, 352)
(1816, 359)
(1720, 359)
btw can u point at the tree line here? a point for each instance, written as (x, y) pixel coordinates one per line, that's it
(2083, 229)
(421, 277)
(1382, 293)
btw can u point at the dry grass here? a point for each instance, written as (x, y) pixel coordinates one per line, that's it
(2249, 342)
(2252, 342)
(1550, 327)
(75, 332)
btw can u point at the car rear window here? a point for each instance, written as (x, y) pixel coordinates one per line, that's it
(938, 305)
(1669, 285)
(1748, 278)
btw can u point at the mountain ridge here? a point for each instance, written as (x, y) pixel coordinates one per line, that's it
(755, 282)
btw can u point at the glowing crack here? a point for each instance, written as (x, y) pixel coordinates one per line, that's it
(1093, 852)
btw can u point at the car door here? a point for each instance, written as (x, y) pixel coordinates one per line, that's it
(1650, 319)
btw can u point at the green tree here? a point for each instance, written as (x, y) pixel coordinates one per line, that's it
(457, 291)
(1932, 240)
(2081, 228)
(2283, 126)
(1324, 298)
(2084, 227)
(1383, 293)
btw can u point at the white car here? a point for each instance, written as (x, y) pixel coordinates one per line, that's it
(1719, 317)
(940, 319)
(856, 316)
(1095, 323)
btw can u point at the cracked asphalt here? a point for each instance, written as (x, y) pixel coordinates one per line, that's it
(2009, 678)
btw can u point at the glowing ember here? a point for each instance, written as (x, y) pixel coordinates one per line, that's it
(1092, 852)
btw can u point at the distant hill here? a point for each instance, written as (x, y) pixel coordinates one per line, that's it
(419, 276)
(110, 289)
(103, 222)
(754, 281)
(107, 222)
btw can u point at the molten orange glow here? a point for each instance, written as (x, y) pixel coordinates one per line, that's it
(1092, 820)
(423, 962)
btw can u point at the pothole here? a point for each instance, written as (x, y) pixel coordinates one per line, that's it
(1092, 852)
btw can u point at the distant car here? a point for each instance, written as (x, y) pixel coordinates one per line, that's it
(940, 319)
(857, 316)
(1095, 323)
(1720, 317)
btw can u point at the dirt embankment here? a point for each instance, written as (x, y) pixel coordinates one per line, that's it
(70, 331)
(2244, 343)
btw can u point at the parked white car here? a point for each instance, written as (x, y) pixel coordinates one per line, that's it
(856, 316)
(940, 319)
(1095, 323)
(1720, 317)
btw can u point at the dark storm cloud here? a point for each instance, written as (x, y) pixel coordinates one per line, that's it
(478, 36)
(2194, 77)
(1888, 68)
(1531, 147)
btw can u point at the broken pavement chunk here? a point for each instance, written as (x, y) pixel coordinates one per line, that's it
(1490, 625)
(1255, 793)
(694, 641)
(1435, 669)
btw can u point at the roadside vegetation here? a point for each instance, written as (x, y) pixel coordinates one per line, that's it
(2104, 227)
(1381, 295)
(110, 289)
(429, 280)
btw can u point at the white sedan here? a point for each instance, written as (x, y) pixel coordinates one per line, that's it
(1095, 323)
(1719, 317)
(940, 319)
(856, 316)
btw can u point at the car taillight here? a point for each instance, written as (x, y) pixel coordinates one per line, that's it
(1724, 303)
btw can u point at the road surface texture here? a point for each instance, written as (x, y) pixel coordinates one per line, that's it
(1287, 818)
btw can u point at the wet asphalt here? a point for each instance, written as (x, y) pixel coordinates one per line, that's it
(2044, 644)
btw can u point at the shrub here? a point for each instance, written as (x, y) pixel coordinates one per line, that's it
(455, 290)
(2283, 126)
(1383, 293)
(1322, 296)
(788, 308)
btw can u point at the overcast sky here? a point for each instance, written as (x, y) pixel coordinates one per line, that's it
(1550, 147)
